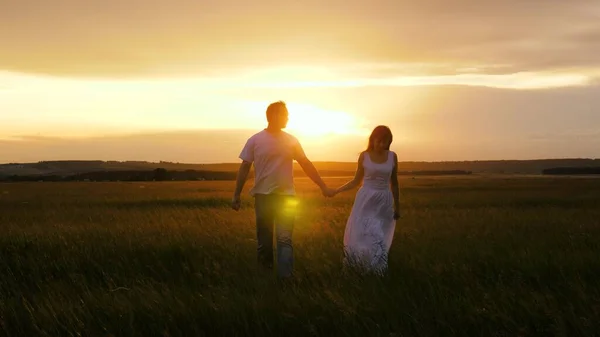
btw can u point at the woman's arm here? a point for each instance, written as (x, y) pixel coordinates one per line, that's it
(358, 177)
(395, 188)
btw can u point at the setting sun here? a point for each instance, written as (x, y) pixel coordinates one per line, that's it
(307, 120)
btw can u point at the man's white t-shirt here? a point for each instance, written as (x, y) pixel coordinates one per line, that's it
(273, 155)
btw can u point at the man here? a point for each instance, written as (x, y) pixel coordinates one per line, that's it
(273, 151)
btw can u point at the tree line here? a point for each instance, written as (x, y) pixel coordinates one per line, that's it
(162, 174)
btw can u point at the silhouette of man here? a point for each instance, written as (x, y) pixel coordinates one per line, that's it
(273, 151)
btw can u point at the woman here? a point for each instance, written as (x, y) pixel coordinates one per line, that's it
(370, 227)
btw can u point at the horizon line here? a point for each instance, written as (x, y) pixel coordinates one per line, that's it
(314, 161)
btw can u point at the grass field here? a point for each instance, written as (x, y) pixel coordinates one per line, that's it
(472, 256)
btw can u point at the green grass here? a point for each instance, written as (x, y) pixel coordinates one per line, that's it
(472, 256)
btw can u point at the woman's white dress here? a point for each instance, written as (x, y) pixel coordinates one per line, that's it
(370, 227)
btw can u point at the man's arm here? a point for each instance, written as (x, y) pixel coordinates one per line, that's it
(310, 169)
(242, 176)
(247, 157)
(311, 172)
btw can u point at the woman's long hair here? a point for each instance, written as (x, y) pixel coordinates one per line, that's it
(380, 132)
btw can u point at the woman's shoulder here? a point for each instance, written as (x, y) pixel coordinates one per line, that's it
(361, 157)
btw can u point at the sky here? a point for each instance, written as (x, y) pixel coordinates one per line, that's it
(189, 81)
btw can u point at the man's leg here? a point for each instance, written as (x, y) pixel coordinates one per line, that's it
(286, 216)
(263, 207)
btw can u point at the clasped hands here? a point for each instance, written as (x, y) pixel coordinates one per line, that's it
(329, 192)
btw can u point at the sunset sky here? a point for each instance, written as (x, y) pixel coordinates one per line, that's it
(189, 81)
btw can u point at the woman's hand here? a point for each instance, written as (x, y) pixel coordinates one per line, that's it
(396, 214)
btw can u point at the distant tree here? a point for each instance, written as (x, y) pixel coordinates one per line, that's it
(161, 174)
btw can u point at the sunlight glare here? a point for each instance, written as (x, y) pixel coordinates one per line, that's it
(308, 121)
(312, 121)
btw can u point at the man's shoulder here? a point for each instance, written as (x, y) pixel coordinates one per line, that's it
(264, 136)
(291, 137)
(258, 134)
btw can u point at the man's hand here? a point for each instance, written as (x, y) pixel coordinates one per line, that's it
(239, 185)
(236, 202)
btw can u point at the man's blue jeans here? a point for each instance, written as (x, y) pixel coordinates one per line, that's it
(277, 212)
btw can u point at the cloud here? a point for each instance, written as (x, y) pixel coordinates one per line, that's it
(571, 135)
(123, 38)
(504, 81)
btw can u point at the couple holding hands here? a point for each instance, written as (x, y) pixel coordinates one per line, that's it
(371, 224)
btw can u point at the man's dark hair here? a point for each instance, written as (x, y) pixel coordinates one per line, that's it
(275, 109)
